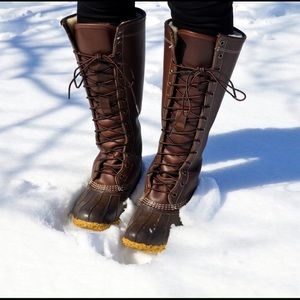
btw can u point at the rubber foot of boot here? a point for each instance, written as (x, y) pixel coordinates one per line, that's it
(153, 249)
(92, 225)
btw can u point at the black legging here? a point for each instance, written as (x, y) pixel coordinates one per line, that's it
(209, 18)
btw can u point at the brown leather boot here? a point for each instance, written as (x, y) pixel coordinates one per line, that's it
(111, 62)
(197, 71)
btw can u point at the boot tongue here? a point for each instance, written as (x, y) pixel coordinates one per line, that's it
(91, 39)
(95, 38)
(194, 49)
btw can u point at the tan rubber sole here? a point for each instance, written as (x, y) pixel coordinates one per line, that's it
(92, 225)
(153, 249)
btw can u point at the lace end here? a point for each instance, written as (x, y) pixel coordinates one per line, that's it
(69, 91)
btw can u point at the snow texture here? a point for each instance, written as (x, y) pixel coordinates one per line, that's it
(241, 233)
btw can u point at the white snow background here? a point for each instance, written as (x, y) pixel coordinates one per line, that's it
(242, 227)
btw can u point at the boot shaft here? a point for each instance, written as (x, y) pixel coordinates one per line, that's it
(125, 46)
(111, 62)
(197, 71)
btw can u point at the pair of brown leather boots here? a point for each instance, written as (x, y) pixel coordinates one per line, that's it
(197, 70)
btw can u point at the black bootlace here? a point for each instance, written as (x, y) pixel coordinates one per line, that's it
(168, 178)
(116, 82)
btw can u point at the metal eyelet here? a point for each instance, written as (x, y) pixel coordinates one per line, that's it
(174, 195)
(220, 55)
(222, 43)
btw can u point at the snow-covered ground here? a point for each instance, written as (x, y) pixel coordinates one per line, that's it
(242, 230)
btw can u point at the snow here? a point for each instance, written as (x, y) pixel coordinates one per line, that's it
(241, 232)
